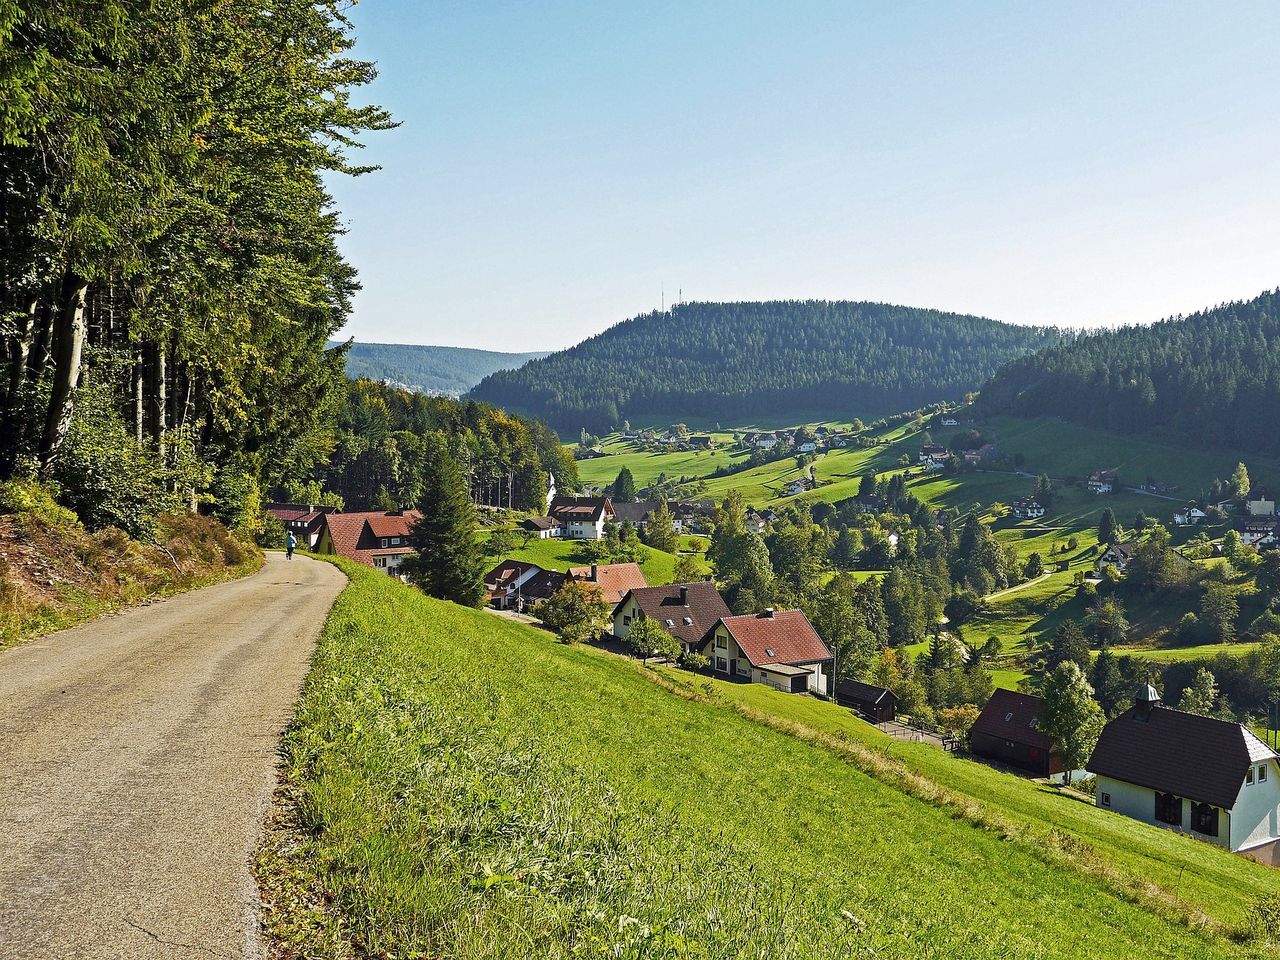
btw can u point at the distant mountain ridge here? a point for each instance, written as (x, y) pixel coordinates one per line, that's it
(737, 360)
(447, 371)
(1210, 380)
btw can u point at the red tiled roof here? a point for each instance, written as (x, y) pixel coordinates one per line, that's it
(1013, 716)
(354, 537)
(580, 508)
(785, 637)
(702, 604)
(613, 579)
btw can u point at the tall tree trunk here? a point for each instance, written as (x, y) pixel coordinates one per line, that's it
(68, 344)
(159, 395)
(38, 356)
(19, 355)
(139, 398)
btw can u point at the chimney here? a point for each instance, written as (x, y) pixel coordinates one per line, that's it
(595, 573)
(684, 595)
(768, 613)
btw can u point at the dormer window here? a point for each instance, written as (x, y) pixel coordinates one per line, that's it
(1008, 717)
(770, 652)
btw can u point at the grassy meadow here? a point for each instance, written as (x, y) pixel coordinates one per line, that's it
(458, 785)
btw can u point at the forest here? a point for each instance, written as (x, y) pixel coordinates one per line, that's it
(450, 371)
(1209, 380)
(762, 359)
(169, 273)
(384, 435)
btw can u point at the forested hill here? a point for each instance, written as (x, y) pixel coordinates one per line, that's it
(450, 371)
(1211, 379)
(736, 360)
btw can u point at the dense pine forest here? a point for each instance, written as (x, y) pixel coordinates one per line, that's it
(385, 434)
(450, 371)
(169, 275)
(1211, 379)
(724, 360)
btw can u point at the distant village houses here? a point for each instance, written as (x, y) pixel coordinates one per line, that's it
(1102, 482)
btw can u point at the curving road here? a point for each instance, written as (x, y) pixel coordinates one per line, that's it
(137, 758)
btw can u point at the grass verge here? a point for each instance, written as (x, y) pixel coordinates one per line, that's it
(458, 785)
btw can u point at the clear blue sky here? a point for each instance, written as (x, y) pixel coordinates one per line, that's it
(559, 163)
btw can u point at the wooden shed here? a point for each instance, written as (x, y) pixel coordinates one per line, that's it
(875, 704)
(1007, 730)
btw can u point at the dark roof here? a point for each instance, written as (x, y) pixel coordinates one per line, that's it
(540, 523)
(637, 512)
(1123, 550)
(543, 584)
(580, 509)
(783, 636)
(1196, 757)
(507, 572)
(864, 692)
(705, 607)
(1013, 716)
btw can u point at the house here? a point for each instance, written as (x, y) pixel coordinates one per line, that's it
(1103, 481)
(687, 611)
(1257, 531)
(304, 520)
(692, 514)
(979, 454)
(376, 538)
(766, 441)
(545, 528)
(796, 487)
(1189, 515)
(613, 579)
(539, 587)
(950, 421)
(808, 446)
(583, 518)
(836, 442)
(779, 648)
(1259, 503)
(1007, 731)
(502, 584)
(1211, 778)
(701, 442)
(1117, 555)
(637, 514)
(932, 456)
(1027, 509)
(874, 704)
(756, 523)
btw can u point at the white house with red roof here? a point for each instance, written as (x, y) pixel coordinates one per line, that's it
(304, 520)
(777, 647)
(376, 538)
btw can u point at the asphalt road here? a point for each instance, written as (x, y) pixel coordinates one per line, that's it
(137, 758)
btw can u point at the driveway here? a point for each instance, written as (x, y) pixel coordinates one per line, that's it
(138, 757)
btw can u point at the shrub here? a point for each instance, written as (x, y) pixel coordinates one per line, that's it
(696, 661)
(1263, 918)
(29, 497)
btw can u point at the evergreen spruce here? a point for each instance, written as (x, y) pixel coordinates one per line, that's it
(450, 560)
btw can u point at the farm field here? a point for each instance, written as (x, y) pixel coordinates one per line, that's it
(461, 785)
(560, 555)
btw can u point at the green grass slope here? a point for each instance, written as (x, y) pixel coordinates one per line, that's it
(459, 785)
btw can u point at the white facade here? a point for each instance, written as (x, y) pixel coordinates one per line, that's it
(728, 658)
(1263, 506)
(584, 529)
(1254, 820)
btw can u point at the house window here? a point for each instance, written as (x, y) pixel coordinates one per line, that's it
(385, 543)
(722, 664)
(626, 619)
(395, 541)
(1262, 773)
(1105, 799)
(721, 642)
(380, 562)
(1248, 777)
(1169, 809)
(1204, 819)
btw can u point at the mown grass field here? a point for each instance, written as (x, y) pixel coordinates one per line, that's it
(458, 785)
(556, 554)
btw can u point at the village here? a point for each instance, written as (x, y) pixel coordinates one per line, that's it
(1211, 778)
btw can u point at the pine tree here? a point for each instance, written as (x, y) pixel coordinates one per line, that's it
(624, 487)
(1240, 480)
(1109, 686)
(1108, 529)
(449, 563)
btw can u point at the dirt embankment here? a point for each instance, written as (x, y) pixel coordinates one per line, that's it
(54, 573)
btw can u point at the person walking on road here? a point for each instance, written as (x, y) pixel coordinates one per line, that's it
(290, 542)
